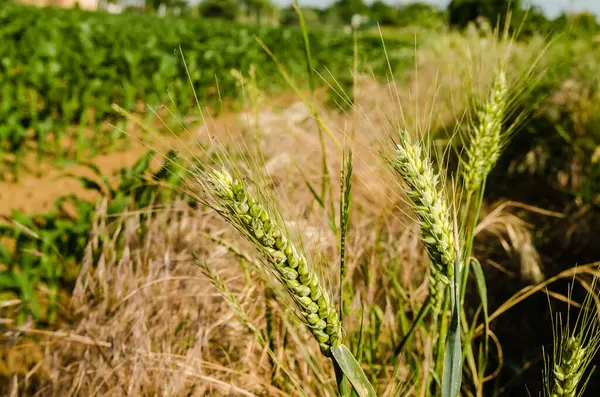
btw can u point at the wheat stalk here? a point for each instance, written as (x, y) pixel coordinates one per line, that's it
(235, 203)
(486, 139)
(428, 202)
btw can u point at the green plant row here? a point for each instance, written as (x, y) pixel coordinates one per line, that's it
(64, 68)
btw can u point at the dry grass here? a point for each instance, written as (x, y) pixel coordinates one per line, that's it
(153, 325)
(147, 322)
(159, 328)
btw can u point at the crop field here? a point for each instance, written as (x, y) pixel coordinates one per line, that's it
(62, 70)
(238, 198)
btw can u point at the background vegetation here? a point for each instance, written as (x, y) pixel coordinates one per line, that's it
(82, 271)
(62, 70)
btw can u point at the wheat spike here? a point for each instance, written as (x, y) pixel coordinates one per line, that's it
(286, 261)
(574, 351)
(569, 369)
(429, 204)
(486, 138)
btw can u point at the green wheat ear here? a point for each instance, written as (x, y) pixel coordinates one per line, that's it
(233, 201)
(486, 138)
(574, 351)
(569, 368)
(428, 201)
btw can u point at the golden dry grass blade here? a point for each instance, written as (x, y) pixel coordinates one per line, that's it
(526, 292)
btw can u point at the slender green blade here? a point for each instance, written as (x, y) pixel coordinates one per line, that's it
(307, 54)
(422, 312)
(481, 285)
(344, 387)
(453, 355)
(482, 290)
(361, 335)
(452, 359)
(361, 339)
(352, 370)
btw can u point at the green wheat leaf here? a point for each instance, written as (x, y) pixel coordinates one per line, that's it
(351, 368)
(453, 353)
(481, 286)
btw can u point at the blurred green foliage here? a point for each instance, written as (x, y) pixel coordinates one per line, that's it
(340, 13)
(526, 20)
(313, 17)
(234, 9)
(461, 12)
(62, 68)
(559, 145)
(225, 9)
(421, 14)
(384, 13)
(347, 8)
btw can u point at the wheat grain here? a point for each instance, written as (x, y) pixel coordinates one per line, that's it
(428, 202)
(287, 263)
(569, 369)
(486, 139)
(574, 351)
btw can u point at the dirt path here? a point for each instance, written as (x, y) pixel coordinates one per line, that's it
(37, 192)
(34, 193)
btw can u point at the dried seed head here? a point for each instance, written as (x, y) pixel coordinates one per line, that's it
(486, 138)
(428, 202)
(237, 206)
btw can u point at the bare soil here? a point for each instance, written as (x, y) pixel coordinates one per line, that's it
(36, 192)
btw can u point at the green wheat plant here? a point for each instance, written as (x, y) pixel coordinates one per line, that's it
(256, 217)
(429, 203)
(485, 141)
(486, 138)
(233, 201)
(574, 349)
(447, 226)
(497, 118)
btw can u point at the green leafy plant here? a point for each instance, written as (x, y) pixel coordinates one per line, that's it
(62, 70)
